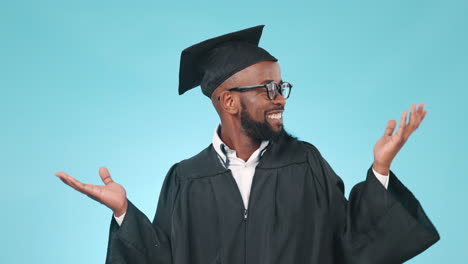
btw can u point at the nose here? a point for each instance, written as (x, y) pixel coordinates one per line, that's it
(279, 100)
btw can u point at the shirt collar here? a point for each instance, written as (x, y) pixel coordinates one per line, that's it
(225, 153)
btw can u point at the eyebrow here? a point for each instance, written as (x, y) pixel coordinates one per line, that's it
(267, 81)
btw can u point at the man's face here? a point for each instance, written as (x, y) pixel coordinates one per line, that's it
(261, 118)
(259, 130)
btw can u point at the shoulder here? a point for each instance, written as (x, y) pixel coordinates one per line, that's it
(303, 148)
(288, 150)
(311, 149)
(205, 163)
(291, 144)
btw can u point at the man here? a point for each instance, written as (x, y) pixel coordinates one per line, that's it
(257, 195)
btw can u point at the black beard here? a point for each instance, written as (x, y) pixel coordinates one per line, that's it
(259, 131)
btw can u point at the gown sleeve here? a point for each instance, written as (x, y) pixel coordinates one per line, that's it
(138, 240)
(375, 225)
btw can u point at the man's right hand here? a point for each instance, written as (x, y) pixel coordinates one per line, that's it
(111, 194)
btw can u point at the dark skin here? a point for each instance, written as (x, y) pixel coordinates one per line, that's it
(260, 108)
(259, 105)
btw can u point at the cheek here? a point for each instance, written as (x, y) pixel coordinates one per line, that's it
(260, 113)
(255, 108)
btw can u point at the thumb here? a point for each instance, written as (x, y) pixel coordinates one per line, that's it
(105, 175)
(391, 124)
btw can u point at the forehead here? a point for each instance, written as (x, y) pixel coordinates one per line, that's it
(257, 74)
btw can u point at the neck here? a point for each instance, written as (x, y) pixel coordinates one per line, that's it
(235, 138)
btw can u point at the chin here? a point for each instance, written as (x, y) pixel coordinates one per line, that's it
(277, 128)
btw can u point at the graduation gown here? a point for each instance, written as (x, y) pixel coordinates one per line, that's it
(297, 213)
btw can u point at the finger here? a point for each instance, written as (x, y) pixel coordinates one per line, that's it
(88, 189)
(401, 129)
(61, 174)
(412, 117)
(402, 121)
(421, 112)
(74, 183)
(416, 117)
(423, 115)
(65, 178)
(93, 191)
(105, 175)
(403, 118)
(391, 124)
(421, 108)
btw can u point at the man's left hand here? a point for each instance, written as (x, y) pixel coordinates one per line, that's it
(388, 146)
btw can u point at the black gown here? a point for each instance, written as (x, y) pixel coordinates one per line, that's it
(297, 213)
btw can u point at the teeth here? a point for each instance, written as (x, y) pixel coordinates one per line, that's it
(275, 116)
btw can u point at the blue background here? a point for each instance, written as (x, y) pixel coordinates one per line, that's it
(86, 84)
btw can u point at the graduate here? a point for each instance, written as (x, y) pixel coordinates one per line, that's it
(257, 195)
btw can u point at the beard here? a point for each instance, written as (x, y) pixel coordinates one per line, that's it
(260, 131)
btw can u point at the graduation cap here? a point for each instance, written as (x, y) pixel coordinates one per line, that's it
(211, 62)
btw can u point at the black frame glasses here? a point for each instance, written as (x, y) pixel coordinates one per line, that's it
(272, 88)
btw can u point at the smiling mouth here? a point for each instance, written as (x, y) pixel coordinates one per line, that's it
(275, 116)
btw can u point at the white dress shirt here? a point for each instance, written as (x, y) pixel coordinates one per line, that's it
(243, 171)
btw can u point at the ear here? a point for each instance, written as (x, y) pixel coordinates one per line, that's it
(229, 103)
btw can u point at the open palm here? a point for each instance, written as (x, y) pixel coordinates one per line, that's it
(389, 144)
(111, 194)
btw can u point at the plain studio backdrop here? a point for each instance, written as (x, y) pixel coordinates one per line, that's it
(86, 84)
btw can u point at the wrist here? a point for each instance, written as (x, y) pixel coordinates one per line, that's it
(381, 169)
(121, 210)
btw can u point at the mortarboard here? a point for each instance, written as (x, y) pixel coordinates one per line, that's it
(211, 62)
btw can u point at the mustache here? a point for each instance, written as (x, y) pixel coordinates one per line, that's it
(275, 109)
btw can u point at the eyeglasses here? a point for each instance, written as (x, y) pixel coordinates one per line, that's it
(273, 89)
